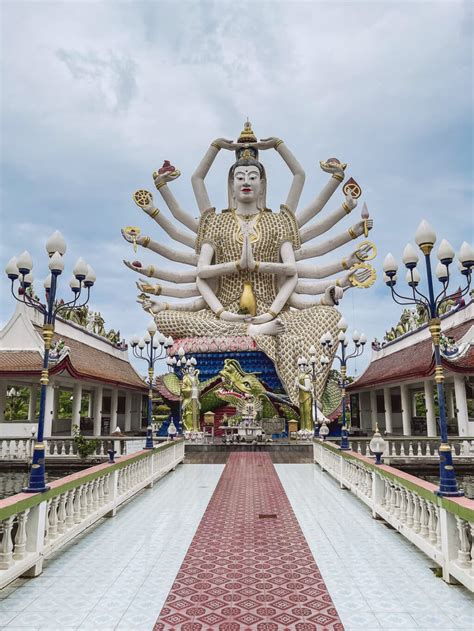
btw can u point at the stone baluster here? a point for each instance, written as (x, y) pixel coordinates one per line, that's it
(55, 448)
(90, 500)
(77, 505)
(47, 537)
(53, 518)
(416, 513)
(432, 523)
(359, 450)
(396, 512)
(21, 452)
(83, 499)
(62, 513)
(471, 526)
(101, 451)
(402, 449)
(70, 509)
(6, 547)
(424, 516)
(436, 452)
(101, 491)
(464, 545)
(410, 509)
(403, 505)
(419, 451)
(410, 449)
(438, 527)
(107, 488)
(95, 494)
(20, 537)
(368, 476)
(63, 448)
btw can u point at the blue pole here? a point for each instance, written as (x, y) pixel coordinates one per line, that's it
(37, 479)
(448, 485)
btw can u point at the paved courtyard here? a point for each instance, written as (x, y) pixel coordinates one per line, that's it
(119, 574)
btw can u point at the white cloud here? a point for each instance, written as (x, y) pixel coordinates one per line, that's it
(96, 95)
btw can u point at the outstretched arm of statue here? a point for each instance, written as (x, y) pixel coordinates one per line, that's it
(331, 297)
(322, 226)
(161, 183)
(163, 290)
(336, 169)
(308, 270)
(153, 306)
(332, 289)
(312, 288)
(292, 163)
(174, 232)
(197, 179)
(162, 274)
(331, 244)
(177, 256)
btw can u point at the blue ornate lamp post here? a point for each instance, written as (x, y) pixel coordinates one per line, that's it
(179, 367)
(425, 238)
(315, 371)
(359, 343)
(151, 348)
(83, 279)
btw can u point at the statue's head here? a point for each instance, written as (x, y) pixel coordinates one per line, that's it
(247, 182)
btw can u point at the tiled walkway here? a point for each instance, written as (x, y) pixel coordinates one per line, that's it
(118, 575)
(249, 566)
(376, 578)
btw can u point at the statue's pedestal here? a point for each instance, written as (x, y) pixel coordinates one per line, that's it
(211, 353)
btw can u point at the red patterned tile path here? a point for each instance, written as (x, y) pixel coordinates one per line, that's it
(249, 566)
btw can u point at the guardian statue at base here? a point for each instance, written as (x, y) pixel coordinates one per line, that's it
(246, 262)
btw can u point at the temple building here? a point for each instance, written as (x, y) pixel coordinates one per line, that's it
(91, 382)
(397, 390)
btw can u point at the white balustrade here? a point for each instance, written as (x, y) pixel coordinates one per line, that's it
(32, 526)
(443, 528)
(404, 447)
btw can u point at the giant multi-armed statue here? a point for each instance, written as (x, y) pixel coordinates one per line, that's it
(247, 263)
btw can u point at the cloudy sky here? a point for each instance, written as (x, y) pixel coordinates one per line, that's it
(95, 95)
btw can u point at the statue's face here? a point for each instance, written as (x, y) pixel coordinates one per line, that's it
(247, 184)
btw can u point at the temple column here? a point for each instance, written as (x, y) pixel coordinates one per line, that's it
(449, 395)
(373, 408)
(3, 400)
(97, 411)
(32, 403)
(49, 410)
(406, 410)
(387, 400)
(113, 410)
(76, 405)
(430, 408)
(128, 411)
(461, 405)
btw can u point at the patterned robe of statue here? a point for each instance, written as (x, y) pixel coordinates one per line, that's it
(223, 232)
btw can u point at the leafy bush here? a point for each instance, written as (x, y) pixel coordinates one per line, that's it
(85, 447)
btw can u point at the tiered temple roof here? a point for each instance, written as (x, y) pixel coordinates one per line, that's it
(411, 356)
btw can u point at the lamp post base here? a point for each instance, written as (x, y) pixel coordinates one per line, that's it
(344, 440)
(149, 439)
(448, 485)
(37, 481)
